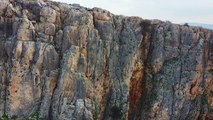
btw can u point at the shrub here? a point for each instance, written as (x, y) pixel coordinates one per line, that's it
(211, 71)
(5, 117)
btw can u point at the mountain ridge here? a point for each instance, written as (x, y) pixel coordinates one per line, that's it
(208, 26)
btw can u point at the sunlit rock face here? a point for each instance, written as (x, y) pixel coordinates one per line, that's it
(68, 62)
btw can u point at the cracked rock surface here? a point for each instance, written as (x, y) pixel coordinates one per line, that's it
(68, 62)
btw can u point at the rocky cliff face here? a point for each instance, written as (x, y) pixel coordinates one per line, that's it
(67, 62)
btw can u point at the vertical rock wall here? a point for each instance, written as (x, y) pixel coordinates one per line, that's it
(67, 62)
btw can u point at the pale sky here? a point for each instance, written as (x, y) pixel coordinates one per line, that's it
(177, 11)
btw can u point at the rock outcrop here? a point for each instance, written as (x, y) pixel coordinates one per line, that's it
(68, 62)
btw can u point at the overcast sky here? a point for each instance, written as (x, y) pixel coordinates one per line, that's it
(177, 11)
